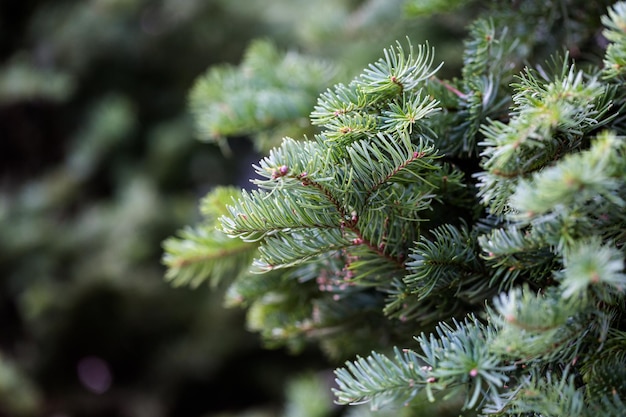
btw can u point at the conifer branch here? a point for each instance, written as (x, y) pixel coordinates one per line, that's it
(359, 233)
(205, 253)
(550, 116)
(548, 395)
(397, 73)
(408, 306)
(449, 260)
(459, 357)
(615, 24)
(571, 186)
(350, 222)
(390, 160)
(380, 379)
(198, 254)
(449, 87)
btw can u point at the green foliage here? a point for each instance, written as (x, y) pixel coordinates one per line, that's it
(447, 262)
(493, 201)
(417, 7)
(203, 251)
(456, 357)
(307, 396)
(267, 95)
(615, 53)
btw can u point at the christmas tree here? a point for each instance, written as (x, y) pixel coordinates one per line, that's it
(458, 238)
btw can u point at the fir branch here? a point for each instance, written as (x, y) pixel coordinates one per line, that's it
(590, 196)
(590, 265)
(515, 251)
(380, 379)
(352, 222)
(549, 118)
(337, 216)
(552, 394)
(476, 106)
(615, 31)
(391, 219)
(408, 306)
(403, 114)
(375, 263)
(489, 61)
(448, 86)
(258, 214)
(299, 206)
(389, 159)
(397, 72)
(575, 180)
(282, 250)
(347, 128)
(353, 112)
(540, 327)
(282, 320)
(214, 204)
(479, 58)
(342, 100)
(604, 373)
(448, 260)
(458, 357)
(461, 355)
(202, 253)
(246, 289)
(608, 406)
(539, 395)
(286, 165)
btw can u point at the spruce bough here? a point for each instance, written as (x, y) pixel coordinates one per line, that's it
(485, 215)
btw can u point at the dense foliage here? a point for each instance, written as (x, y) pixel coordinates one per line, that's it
(97, 166)
(482, 214)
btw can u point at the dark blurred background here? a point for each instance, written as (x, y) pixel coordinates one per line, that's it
(99, 164)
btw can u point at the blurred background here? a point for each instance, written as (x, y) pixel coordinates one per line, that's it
(100, 162)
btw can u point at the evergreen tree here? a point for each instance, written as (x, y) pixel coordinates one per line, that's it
(97, 165)
(484, 215)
